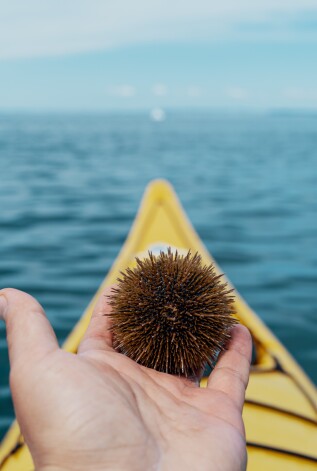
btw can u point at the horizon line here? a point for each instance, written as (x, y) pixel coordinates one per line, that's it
(167, 109)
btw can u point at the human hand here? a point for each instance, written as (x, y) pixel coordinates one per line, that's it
(99, 410)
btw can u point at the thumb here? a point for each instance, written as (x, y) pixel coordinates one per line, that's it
(30, 336)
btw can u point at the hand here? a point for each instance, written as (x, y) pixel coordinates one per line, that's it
(99, 410)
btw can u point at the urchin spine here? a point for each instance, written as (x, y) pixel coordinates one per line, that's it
(171, 313)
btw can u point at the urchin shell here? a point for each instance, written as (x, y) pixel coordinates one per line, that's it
(171, 313)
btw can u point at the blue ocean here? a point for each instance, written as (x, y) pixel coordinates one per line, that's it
(70, 186)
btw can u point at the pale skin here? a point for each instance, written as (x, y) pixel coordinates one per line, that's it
(99, 410)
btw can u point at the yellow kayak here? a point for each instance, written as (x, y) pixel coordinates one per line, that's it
(280, 411)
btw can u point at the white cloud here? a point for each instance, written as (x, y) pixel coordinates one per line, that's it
(53, 27)
(299, 94)
(124, 91)
(237, 93)
(295, 93)
(193, 91)
(159, 89)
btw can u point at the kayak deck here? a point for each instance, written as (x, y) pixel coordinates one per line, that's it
(280, 411)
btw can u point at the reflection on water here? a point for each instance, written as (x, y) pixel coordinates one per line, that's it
(70, 187)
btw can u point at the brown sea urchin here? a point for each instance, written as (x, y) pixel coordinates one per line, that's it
(171, 313)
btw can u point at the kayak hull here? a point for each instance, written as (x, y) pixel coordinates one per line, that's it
(280, 411)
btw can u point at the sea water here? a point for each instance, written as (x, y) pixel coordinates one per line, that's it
(70, 186)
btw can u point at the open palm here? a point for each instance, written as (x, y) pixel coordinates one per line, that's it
(101, 410)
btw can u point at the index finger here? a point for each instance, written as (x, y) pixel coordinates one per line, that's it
(98, 336)
(231, 373)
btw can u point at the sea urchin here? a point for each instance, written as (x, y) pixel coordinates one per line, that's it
(171, 313)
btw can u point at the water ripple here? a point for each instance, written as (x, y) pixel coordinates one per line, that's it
(70, 187)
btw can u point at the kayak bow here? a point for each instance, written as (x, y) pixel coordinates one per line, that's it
(280, 411)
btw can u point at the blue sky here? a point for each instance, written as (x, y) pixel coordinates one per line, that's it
(108, 55)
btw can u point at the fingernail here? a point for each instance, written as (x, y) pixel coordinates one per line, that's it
(3, 306)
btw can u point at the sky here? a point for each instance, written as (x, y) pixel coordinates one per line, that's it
(97, 55)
